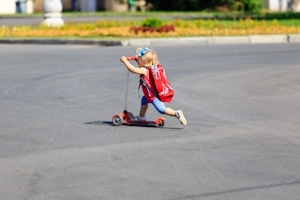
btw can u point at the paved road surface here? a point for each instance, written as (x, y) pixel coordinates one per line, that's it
(36, 20)
(10, 21)
(241, 142)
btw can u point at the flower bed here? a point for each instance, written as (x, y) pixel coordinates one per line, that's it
(133, 29)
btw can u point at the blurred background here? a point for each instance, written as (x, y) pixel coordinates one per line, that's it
(37, 6)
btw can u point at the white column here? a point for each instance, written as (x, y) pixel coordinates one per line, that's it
(29, 8)
(7, 6)
(277, 5)
(53, 9)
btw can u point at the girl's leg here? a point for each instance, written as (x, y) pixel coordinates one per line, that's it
(160, 107)
(170, 112)
(143, 108)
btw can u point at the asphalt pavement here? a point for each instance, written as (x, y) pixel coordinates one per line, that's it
(240, 96)
(241, 142)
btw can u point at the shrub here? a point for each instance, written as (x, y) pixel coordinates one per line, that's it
(152, 22)
(152, 25)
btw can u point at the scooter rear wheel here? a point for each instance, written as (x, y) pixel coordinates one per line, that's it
(161, 123)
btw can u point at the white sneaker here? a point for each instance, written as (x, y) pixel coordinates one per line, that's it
(180, 117)
(139, 118)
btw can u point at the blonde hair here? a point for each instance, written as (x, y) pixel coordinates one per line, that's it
(149, 58)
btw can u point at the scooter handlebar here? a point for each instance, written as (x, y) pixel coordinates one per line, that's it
(131, 57)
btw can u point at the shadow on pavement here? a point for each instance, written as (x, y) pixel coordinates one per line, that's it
(110, 124)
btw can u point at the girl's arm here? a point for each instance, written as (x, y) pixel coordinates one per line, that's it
(131, 68)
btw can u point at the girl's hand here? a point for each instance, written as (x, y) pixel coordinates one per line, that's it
(123, 59)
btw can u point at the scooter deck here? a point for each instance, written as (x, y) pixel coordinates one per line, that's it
(158, 122)
(125, 118)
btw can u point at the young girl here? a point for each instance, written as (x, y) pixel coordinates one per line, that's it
(146, 58)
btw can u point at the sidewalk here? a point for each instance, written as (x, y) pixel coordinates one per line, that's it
(252, 39)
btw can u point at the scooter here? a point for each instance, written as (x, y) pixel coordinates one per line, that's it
(128, 118)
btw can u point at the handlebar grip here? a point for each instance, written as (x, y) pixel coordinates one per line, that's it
(131, 57)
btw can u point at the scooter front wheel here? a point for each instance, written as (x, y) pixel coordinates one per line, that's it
(117, 120)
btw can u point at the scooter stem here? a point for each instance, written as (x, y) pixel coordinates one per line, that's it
(126, 91)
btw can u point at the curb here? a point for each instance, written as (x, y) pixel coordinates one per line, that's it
(61, 41)
(251, 39)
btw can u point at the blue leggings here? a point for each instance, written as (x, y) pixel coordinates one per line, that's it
(159, 106)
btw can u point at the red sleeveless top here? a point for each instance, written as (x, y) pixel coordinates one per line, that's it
(149, 81)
